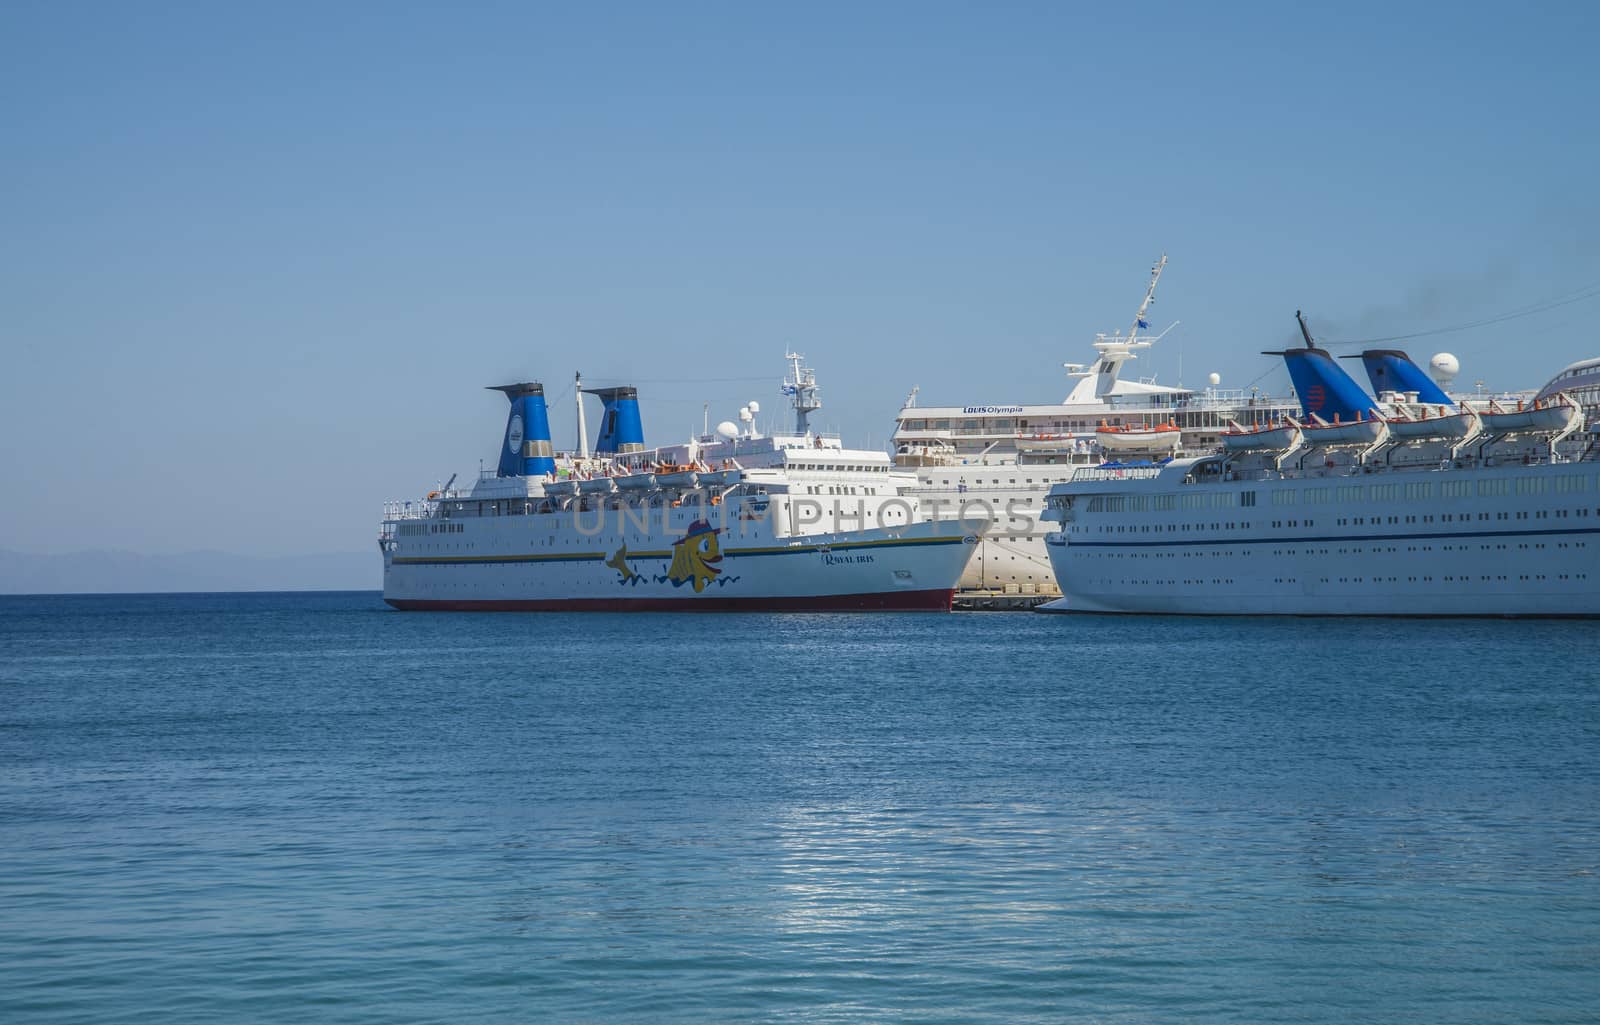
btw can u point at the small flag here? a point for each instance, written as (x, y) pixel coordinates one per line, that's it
(1145, 324)
(788, 389)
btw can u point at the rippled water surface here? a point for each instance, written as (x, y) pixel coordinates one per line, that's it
(308, 808)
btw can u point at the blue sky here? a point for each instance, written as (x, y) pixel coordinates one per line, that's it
(258, 263)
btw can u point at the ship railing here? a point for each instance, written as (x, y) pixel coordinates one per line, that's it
(409, 509)
(1237, 400)
(1097, 473)
(792, 436)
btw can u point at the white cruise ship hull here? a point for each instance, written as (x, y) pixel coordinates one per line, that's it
(1507, 541)
(544, 563)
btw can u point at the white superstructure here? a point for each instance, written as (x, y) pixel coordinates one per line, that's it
(1463, 509)
(1000, 460)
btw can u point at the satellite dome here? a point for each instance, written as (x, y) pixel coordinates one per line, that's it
(755, 407)
(1215, 379)
(728, 429)
(1444, 368)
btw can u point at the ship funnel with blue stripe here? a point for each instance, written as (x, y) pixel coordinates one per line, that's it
(1325, 390)
(1393, 370)
(526, 450)
(621, 430)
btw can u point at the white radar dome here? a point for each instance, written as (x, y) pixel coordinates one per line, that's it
(1444, 367)
(755, 407)
(1215, 379)
(728, 429)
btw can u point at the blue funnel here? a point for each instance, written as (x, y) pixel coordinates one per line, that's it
(621, 430)
(1393, 370)
(526, 450)
(1324, 389)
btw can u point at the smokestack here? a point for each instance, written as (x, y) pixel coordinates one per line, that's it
(621, 430)
(526, 450)
(1393, 370)
(1325, 390)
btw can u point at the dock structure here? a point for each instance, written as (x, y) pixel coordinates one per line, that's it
(976, 600)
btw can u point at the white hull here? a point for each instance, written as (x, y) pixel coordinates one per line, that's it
(546, 562)
(1504, 541)
(1009, 497)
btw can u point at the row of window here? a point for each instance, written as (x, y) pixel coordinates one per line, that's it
(978, 481)
(1417, 491)
(1463, 579)
(415, 529)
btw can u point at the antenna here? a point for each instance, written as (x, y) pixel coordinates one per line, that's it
(705, 420)
(1305, 332)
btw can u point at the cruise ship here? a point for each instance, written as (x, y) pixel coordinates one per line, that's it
(1405, 503)
(1000, 460)
(733, 520)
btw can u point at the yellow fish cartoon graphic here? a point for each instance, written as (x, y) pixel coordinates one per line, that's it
(619, 562)
(695, 555)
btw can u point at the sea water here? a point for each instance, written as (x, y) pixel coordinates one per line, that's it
(308, 808)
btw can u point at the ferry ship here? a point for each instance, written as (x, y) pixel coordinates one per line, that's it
(1000, 461)
(1406, 504)
(733, 520)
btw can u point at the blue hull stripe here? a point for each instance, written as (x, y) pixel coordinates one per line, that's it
(1325, 539)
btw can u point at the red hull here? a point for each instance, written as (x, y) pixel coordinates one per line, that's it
(888, 601)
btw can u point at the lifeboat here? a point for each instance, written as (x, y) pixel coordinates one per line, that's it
(1360, 431)
(718, 478)
(643, 480)
(561, 488)
(1155, 437)
(1428, 423)
(1045, 443)
(1551, 416)
(677, 478)
(598, 486)
(1261, 437)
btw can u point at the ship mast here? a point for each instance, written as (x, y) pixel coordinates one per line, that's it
(1099, 379)
(1139, 320)
(583, 429)
(802, 392)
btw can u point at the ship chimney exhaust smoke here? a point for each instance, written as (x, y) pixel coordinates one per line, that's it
(525, 451)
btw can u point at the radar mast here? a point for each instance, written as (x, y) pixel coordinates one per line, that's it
(801, 387)
(1097, 381)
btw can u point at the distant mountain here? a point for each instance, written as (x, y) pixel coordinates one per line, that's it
(107, 572)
